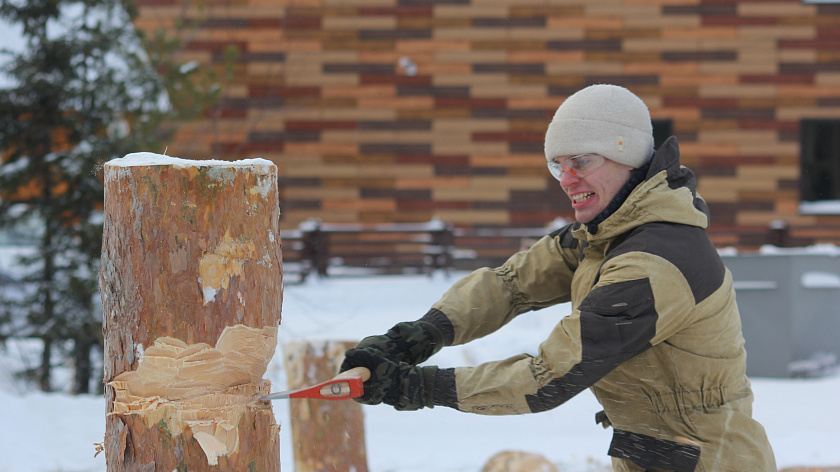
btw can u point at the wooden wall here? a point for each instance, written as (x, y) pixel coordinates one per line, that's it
(324, 88)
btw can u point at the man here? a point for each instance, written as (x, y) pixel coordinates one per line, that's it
(654, 330)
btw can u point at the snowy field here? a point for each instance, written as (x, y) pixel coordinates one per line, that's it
(57, 432)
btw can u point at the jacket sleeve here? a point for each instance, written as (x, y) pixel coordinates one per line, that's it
(487, 299)
(638, 300)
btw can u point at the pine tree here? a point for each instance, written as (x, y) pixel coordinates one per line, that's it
(84, 91)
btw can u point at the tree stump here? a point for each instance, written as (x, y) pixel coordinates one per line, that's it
(812, 469)
(518, 461)
(328, 435)
(191, 286)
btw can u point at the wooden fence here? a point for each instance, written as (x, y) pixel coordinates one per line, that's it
(335, 250)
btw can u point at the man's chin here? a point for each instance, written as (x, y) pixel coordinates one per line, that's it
(589, 210)
(584, 216)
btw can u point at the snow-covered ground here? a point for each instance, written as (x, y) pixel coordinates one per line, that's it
(57, 432)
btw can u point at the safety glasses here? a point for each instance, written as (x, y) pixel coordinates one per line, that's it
(576, 166)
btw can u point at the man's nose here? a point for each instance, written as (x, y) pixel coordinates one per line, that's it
(566, 178)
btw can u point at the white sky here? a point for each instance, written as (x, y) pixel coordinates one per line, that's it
(10, 39)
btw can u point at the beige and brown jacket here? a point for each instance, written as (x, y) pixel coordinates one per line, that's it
(654, 332)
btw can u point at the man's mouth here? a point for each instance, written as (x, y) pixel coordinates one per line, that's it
(581, 197)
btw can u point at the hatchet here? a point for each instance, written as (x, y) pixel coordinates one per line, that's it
(347, 384)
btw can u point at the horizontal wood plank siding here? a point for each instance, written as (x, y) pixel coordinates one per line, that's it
(401, 110)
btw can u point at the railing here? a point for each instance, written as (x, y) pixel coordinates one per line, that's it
(329, 249)
(335, 250)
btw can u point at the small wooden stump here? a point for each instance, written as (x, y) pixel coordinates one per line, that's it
(191, 286)
(812, 469)
(328, 436)
(517, 461)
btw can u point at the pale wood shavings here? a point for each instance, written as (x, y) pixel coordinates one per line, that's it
(206, 389)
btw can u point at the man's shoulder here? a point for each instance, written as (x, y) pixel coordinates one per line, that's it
(564, 235)
(685, 246)
(671, 241)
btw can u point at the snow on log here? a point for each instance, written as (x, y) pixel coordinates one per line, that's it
(328, 436)
(191, 286)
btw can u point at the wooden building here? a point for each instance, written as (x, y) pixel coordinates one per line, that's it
(408, 110)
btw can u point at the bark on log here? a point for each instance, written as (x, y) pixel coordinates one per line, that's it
(328, 436)
(191, 286)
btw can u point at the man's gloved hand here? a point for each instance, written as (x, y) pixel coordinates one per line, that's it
(409, 342)
(401, 385)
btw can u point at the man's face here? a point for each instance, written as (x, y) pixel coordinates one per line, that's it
(591, 192)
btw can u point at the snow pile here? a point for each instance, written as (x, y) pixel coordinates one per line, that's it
(815, 250)
(800, 415)
(822, 207)
(819, 279)
(152, 159)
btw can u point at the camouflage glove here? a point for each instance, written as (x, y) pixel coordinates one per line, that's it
(409, 342)
(403, 386)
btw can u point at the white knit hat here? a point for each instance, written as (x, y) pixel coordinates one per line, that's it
(604, 119)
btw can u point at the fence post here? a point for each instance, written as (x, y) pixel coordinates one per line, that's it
(316, 246)
(779, 233)
(444, 238)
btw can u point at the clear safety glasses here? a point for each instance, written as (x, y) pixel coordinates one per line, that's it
(576, 166)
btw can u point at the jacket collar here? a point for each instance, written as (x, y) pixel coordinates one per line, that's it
(639, 176)
(668, 193)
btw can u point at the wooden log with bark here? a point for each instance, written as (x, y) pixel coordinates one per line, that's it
(328, 436)
(518, 461)
(191, 286)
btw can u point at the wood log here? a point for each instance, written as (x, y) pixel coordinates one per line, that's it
(328, 436)
(518, 461)
(191, 287)
(812, 469)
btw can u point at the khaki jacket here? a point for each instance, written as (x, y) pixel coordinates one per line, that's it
(654, 332)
